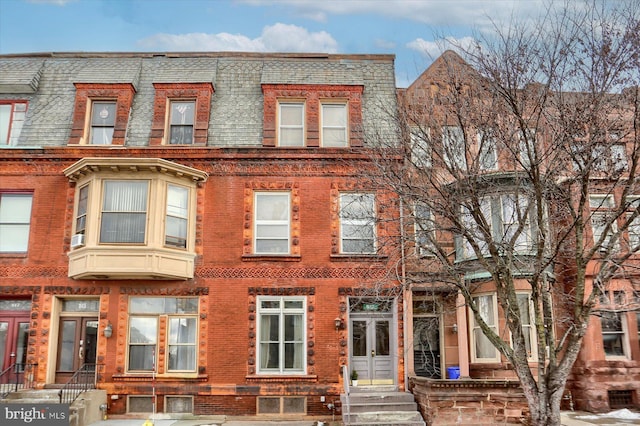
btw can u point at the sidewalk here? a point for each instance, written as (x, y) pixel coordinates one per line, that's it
(209, 421)
(569, 418)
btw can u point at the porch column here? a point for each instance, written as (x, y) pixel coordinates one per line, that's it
(463, 336)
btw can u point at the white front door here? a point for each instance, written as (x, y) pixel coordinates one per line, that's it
(371, 348)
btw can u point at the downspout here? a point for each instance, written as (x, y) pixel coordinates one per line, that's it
(403, 281)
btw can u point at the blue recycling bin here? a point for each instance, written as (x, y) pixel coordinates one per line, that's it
(453, 372)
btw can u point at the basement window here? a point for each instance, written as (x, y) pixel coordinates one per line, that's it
(140, 404)
(178, 404)
(620, 398)
(282, 405)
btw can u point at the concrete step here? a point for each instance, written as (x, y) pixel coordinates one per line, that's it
(28, 395)
(383, 406)
(386, 418)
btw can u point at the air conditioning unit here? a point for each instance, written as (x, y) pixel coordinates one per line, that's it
(77, 241)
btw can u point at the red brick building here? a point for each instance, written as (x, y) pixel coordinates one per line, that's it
(193, 226)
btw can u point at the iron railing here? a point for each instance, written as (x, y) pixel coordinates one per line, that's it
(16, 377)
(347, 391)
(83, 379)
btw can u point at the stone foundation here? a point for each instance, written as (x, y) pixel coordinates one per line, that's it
(469, 401)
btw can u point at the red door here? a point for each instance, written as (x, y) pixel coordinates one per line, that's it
(14, 332)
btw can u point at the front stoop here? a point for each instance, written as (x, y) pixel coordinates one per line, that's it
(375, 407)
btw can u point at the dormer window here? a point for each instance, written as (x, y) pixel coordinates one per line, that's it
(103, 121)
(181, 122)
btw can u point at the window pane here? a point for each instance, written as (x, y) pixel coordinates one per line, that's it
(272, 246)
(281, 335)
(177, 211)
(612, 334)
(15, 218)
(103, 114)
(334, 125)
(359, 338)
(291, 114)
(182, 358)
(272, 206)
(141, 357)
(5, 119)
(181, 135)
(291, 137)
(67, 345)
(182, 112)
(143, 330)
(484, 348)
(182, 330)
(124, 212)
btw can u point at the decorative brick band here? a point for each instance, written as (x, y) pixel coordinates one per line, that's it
(274, 273)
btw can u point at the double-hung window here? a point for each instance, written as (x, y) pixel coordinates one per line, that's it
(15, 221)
(482, 348)
(514, 213)
(181, 122)
(526, 318)
(180, 316)
(420, 149)
(613, 333)
(603, 224)
(12, 116)
(357, 223)
(453, 147)
(424, 230)
(487, 151)
(103, 122)
(334, 125)
(291, 124)
(634, 225)
(527, 147)
(281, 331)
(177, 220)
(272, 222)
(124, 211)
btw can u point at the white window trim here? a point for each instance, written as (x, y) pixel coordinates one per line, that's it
(26, 224)
(281, 126)
(626, 349)
(344, 105)
(421, 156)
(369, 222)
(281, 312)
(532, 328)
(473, 327)
(101, 211)
(257, 223)
(601, 206)
(454, 147)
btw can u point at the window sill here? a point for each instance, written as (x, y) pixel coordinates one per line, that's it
(147, 377)
(357, 258)
(270, 258)
(13, 254)
(275, 378)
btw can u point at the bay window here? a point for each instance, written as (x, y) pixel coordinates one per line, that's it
(131, 221)
(124, 211)
(281, 331)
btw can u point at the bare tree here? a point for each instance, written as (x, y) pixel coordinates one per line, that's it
(518, 172)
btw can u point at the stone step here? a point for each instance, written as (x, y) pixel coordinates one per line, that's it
(387, 418)
(374, 398)
(382, 406)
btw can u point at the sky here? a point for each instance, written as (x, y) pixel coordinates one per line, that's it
(415, 31)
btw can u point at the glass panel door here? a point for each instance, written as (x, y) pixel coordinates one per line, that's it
(371, 352)
(77, 345)
(426, 347)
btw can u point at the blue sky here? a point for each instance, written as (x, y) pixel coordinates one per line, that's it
(413, 30)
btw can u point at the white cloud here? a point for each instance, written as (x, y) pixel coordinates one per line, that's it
(441, 13)
(274, 38)
(54, 2)
(433, 49)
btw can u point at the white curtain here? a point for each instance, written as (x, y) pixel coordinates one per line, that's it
(124, 212)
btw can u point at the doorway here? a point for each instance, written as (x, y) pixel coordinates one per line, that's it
(427, 332)
(14, 333)
(372, 342)
(77, 346)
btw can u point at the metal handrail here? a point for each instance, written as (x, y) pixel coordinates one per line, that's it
(345, 379)
(82, 380)
(16, 377)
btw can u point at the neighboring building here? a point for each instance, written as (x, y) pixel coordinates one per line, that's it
(441, 330)
(195, 226)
